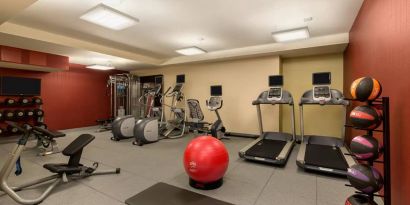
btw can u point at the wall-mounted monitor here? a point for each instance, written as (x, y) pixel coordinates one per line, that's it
(181, 78)
(20, 86)
(321, 78)
(275, 80)
(216, 90)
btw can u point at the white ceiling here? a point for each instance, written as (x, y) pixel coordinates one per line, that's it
(167, 25)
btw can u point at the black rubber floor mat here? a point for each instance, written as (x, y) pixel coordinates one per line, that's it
(269, 149)
(165, 194)
(325, 156)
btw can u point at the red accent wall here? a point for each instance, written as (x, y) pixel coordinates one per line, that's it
(380, 47)
(72, 98)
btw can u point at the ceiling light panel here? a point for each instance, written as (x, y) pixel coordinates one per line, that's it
(100, 67)
(291, 35)
(191, 51)
(108, 17)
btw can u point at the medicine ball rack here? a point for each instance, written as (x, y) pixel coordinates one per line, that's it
(34, 104)
(384, 102)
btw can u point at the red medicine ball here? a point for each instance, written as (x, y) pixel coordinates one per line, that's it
(206, 161)
(365, 88)
(366, 117)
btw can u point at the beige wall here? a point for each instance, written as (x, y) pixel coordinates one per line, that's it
(242, 81)
(298, 78)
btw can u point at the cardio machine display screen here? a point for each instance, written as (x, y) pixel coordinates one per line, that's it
(321, 78)
(216, 90)
(275, 80)
(181, 78)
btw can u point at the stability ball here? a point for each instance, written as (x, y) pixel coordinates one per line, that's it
(206, 161)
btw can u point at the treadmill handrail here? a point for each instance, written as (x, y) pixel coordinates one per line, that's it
(337, 98)
(307, 99)
(287, 98)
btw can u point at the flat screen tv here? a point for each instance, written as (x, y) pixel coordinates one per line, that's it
(20, 86)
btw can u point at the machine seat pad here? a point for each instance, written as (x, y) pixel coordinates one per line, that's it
(78, 144)
(49, 133)
(62, 168)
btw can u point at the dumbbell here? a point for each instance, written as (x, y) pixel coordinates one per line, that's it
(12, 129)
(18, 114)
(9, 101)
(27, 126)
(37, 101)
(41, 125)
(38, 112)
(24, 101)
(8, 114)
(29, 113)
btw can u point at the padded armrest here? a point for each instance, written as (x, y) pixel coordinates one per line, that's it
(48, 132)
(78, 144)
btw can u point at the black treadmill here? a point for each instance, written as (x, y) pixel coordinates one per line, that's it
(271, 147)
(323, 153)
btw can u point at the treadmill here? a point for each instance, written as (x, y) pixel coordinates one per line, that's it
(272, 147)
(324, 154)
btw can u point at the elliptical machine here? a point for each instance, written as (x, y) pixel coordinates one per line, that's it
(144, 130)
(214, 104)
(175, 125)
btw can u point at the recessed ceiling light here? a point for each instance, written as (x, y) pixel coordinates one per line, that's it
(191, 51)
(291, 35)
(108, 17)
(100, 67)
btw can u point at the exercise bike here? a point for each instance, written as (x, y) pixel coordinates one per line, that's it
(62, 171)
(214, 104)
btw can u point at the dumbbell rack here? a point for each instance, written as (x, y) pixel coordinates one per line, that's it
(10, 137)
(384, 102)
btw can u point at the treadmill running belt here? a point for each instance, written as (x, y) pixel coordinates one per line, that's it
(265, 148)
(325, 156)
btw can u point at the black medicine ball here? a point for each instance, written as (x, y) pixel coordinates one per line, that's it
(365, 178)
(365, 88)
(366, 117)
(359, 199)
(365, 147)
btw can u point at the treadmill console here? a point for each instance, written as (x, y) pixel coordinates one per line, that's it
(275, 90)
(321, 86)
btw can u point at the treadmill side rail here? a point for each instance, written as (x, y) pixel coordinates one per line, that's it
(243, 150)
(285, 151)
(300, 159)
(349, 159)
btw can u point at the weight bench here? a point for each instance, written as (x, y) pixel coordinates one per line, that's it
(62, 172)
(105, 124)
(46, 140)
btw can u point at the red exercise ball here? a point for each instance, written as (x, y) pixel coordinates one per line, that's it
(206, 161)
